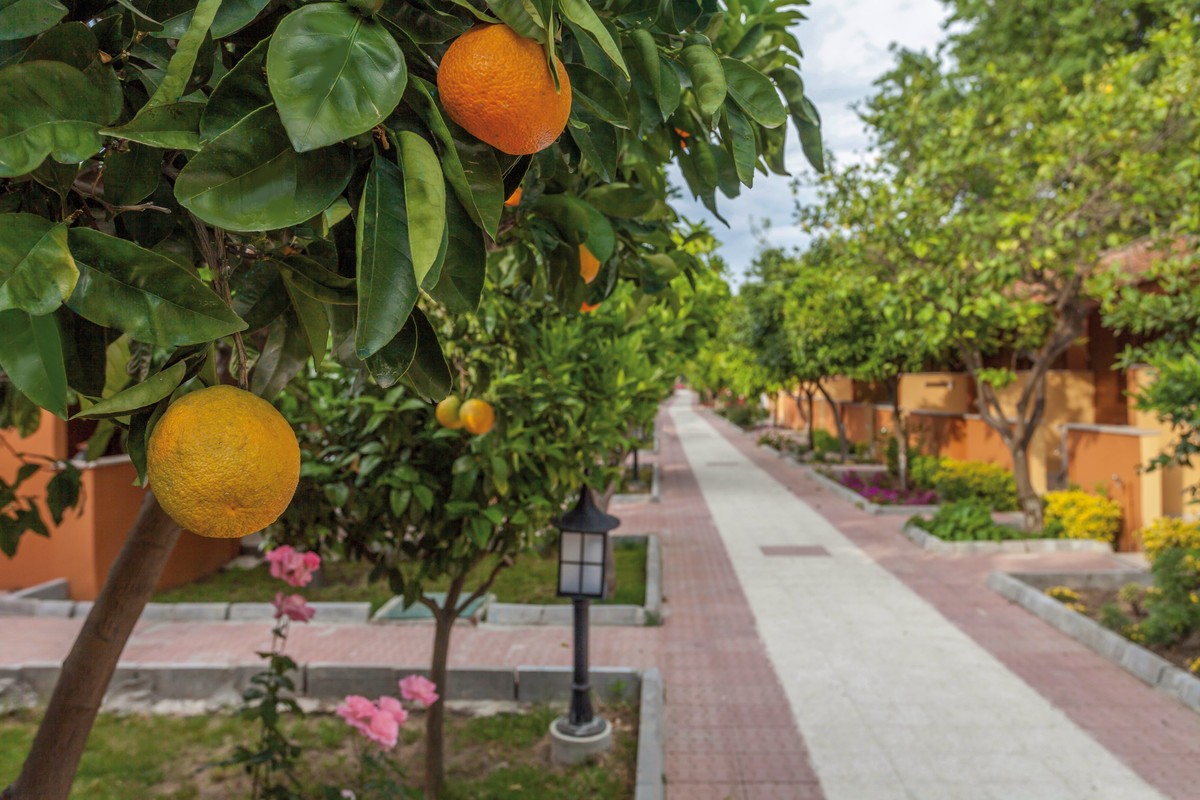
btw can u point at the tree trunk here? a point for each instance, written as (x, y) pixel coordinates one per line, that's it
(53, 760)
(900, 423)
(435, 720)
(811, 417)
(838, 421)
(1027, 496)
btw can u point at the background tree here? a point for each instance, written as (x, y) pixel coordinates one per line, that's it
(237, 195)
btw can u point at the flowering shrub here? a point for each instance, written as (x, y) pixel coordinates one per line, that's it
(1166, 533)
(880, 488)
(782, 442)
(1068, 597)
(293, 567)
(989, 483)
(965, 521)
(1078, 515)
(380, 720)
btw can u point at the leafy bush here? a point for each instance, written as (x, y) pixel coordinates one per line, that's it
(987, 483)
(921, 469)
(743, 414)
(1166, 533)
(892, 457)
(826, 442)
(965, 521)
(1076, 514)
(1173, 603)
(782, 442)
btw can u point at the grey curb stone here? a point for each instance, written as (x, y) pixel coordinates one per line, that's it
(54, 608)
(933, 544)
(651, 739)
(341, 612)
(553, 684)
(1026, 590)
(18, 607)
(40, 676)
(246, 612)
(57, 589)
(174, 681)
(331, 681)
(186, 611)
(654, 575)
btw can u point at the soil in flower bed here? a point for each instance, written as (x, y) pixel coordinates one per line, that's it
(882, 488)
(533, 579)
(505, 756)
(1181, 654)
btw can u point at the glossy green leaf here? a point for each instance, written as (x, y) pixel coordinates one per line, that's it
(601, 238)
(179, 70)
(755, 93)
(71, 43)
(516, 15)
(250, 179)
(36, 269)
(621, 200)
(84, 352)
(157, 387)
(50, 109)
(810, 133)
(132, 174)
(21, 18)
(460, 284)
(428, 24)
(282, 357)
(569, 214)
(708, 78)
(424, 200)
(670, 91)
(238, 94)
(63, 491)
(393, 359)
(470, 166)
(144, 294)
(739, 138)
(32, 358)
(308, 276)
(172, 126)
(387, 284)
(333, 74)
(598, 94)
(429, 373)
(232, 16)
(581, 13)
(314, 323)
(259, 295)
(596, 140)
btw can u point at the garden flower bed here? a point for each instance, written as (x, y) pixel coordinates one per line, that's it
(502, 755)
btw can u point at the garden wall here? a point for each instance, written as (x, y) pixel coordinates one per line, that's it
(1107, 458)
(83, 547)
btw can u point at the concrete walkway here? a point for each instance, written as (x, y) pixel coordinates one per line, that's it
(892, 699)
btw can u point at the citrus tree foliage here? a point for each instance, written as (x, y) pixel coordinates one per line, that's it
(1008, 171)
(231, 188)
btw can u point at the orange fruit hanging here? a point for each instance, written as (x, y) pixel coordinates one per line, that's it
(222, 462)
(514, 199)
(447, 413)
(496, 84)
(588, 308)
(477, 416)
(589, 265)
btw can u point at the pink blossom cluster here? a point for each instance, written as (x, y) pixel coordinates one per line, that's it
(292, 606)
(292, 566)
(380, 720)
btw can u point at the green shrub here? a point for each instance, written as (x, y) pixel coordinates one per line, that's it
(965, 521)
(744, 415)
(1173, 603)
(1166, 533)
(825, 441)
(1076, 514)
(921, 470)
(990, 484)
(892, 456)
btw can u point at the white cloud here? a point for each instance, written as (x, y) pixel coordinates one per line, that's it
(845, 45)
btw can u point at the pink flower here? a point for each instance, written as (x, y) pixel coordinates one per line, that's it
(419, 690)
(357, 711)
(291, 566)
(294, 607)
(390, 705)
(379, 723)
(383, 729)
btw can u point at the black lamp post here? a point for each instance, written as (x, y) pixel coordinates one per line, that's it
(636, 483)
(582, 576)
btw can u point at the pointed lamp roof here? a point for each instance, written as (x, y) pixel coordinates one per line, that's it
(585, 517)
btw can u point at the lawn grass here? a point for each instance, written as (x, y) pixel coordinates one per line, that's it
(533, 579)
(497, 757)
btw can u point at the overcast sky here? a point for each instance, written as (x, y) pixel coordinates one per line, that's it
(845, 46)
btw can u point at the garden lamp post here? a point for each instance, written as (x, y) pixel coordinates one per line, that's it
(636, 483)
(582, 576)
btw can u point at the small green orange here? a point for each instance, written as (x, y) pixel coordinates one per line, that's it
(448, 413)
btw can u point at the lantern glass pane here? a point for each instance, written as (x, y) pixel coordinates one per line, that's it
(568, 579)
(593, 580)
(593, 549)
(571, 546)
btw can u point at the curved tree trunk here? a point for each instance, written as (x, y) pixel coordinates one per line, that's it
(53, 760)
(838, 421)
(435, 720)
(1027, 496)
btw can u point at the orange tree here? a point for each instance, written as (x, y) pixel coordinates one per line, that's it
(385, 481)
(226, 189)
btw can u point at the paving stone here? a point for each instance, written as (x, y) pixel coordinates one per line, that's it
(186, 611)
(341, 612)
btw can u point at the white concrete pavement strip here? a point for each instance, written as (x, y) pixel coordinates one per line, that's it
(893, 700)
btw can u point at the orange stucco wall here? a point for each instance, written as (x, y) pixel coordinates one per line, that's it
(1108, 461)
(82, 548)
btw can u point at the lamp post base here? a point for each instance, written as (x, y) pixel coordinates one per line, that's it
(571, 744)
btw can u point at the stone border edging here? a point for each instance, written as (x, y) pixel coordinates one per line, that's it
(653, 496)
(1023, 589)
(650, 613)
(23, 604)
(221, 685)
(927, 541)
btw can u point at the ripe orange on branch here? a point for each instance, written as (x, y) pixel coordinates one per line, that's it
(477, 416)
(496, 84)
(589, 265)
(223, 462)
(447, 413)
